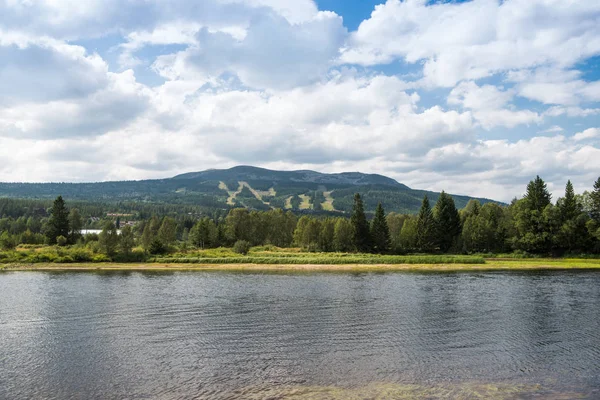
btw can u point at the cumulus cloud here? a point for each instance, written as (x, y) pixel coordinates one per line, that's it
(272, 54)
(476, 39)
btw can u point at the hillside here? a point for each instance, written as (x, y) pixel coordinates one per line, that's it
(245, 186)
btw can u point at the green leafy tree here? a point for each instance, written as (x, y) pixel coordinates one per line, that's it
(204, 234)
(167, 233)
(7, 241)
(447, 222)
(326, 235)
(343, 235)
(75, 225)
(126, 240)
(425, 227)
(238, 225)
(58, 223)
(408, 234)
(241, 247)
(108, 240)
(362, 231)
(395, 223)
(150, 232)
(380, 231)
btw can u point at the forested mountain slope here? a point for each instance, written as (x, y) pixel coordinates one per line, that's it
(245, 186)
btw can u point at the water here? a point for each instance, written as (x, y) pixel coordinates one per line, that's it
(318, 336)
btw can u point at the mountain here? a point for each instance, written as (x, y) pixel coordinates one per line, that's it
(245, 186)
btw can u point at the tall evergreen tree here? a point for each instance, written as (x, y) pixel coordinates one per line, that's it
(425, 227)
(58, 223)
(362, 232)
(595, 200)
(569, 209)
(447, 222)
(380, 231)
(537, 195)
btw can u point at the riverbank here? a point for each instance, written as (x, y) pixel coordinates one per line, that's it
(489, 265)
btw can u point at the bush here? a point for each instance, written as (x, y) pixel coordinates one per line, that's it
(241, 247)
(61, 241)
(157, 247)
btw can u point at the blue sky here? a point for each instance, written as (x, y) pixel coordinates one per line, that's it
(473, 97)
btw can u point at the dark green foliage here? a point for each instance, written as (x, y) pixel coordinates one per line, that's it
(58, 223)
(343, 235)
(241, 247)
(362, 232)
(595, 202)
(7, 241)
(569, 208)
(126, 240)
(157, 247)
(380, 232)
(537, 195)
(75, 225)
(425, 229)
(447, 222)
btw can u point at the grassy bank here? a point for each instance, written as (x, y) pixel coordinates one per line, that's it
(269, 258)
(490, 265)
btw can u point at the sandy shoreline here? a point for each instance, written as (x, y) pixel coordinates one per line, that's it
(491, 265)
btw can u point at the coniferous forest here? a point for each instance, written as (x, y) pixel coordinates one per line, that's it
(533, 225)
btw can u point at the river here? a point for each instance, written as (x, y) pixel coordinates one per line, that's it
(217, 335)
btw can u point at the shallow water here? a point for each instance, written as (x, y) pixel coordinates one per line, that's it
(318, 336)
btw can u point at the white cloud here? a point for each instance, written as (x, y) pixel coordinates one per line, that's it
(590, 133)
(489, 105)
(273, 53)
(476, 39)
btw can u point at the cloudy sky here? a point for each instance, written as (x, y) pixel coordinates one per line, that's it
(474, 97)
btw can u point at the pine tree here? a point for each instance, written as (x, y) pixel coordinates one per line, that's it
(595, 206)
(447, 222)
(362, 234)
(425, 227)
(380, 231)
(537, 195)
(569, 209)
(58, 223)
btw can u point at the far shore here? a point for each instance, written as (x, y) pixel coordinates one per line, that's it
(490, 265)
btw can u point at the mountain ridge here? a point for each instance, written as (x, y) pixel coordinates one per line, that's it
(246, 186)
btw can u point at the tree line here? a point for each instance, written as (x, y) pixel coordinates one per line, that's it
(532, 224)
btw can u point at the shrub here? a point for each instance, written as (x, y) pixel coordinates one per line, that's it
(241, 247)
(61, 241)
(157, 247)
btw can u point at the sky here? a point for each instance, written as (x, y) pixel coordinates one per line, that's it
(472, 97)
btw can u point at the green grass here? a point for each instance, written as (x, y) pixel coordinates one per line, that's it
(324, 260)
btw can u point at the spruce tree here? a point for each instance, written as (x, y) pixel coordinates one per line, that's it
(380, 231)
(425, 227)
(447, 222)
(595, 197)
(569, 209)
(58, 223)
(362, 234)
(537, 195)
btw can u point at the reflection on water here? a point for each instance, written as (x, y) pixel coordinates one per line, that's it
(321, 336)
